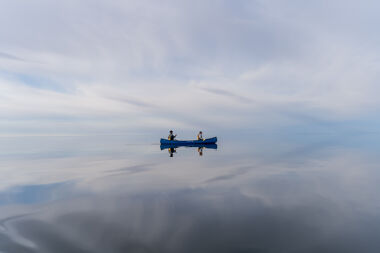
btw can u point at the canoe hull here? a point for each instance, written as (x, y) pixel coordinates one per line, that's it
(183, 143)
(209, 146)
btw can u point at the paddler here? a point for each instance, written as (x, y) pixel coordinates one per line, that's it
(200, 137)
(171, 136)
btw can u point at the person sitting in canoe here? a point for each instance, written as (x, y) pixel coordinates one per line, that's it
(200, 137)
(171, 136)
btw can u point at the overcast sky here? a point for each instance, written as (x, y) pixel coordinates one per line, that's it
(89, 66)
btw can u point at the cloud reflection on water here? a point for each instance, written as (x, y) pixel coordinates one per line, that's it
(32, 194)
(233, 200)
(194, 220)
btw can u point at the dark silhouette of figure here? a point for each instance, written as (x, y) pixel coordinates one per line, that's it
(199, 136)
(171, 136)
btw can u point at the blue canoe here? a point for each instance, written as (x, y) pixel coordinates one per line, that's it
(183, 143)
(200, 145)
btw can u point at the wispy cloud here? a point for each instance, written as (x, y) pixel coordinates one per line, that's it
(10, 57)
(133, 101)
(226, 93)
(137, 62)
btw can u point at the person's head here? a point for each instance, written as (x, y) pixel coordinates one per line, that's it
(200, 132)
(171, 131)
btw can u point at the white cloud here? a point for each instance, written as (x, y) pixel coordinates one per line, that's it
(185, 63)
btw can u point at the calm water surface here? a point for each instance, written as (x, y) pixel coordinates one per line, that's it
(267, 193)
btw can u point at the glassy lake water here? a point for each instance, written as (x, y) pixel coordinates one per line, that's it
(267, 193)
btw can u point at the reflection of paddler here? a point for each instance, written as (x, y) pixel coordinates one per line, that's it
(200, 151)
(171, 151)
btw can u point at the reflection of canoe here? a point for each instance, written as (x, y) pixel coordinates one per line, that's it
(186, 143)
(211, 146)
